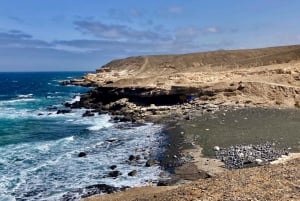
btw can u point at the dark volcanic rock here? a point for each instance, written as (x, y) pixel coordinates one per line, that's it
(150, 163)
(82, 154)
(131, 157)
(112, 140)
(101, 188)
(88, 114)
(63, 111)
(132, 173)
(65, 82)
(67, 104)
(90, 190)
(114, 173)
(113, 167)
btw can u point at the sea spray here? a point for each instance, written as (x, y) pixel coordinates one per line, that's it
(39, 148)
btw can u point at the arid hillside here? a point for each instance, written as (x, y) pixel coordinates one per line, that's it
(206, 61)
(267, 76)
(186, 86)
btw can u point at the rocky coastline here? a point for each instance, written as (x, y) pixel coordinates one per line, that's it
(130, 90)
(141, 105)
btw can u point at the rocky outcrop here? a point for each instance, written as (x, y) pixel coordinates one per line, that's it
(135, 88)
(91, 190)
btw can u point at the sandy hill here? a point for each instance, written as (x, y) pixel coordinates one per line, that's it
(204, 61)
(267, 76)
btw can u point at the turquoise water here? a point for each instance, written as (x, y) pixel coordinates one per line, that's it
(39, 148)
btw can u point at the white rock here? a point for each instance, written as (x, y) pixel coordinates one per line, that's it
(216, 148)
(258, 161)
(241, 155)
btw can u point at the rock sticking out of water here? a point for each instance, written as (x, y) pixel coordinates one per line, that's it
(132, 173)
(240, 156)
(114, 173)
(82, 154)
(150, 163)
(113, 167)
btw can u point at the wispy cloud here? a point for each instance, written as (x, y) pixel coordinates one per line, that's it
(117, 32)
(110, 42)
(195, 31)
(17, 38)
(14, 35)
(175, 9)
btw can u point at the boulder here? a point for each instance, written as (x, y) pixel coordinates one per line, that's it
(131, 157)
(132, 173)
(113, 167)
(150, 163)
(112, 140)
(91, 190)
(88, 114)
(114, 173)
(63, 111)
(216, 148)
(82, 154)
(65, 82)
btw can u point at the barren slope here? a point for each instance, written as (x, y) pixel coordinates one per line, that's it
(273, 182)
(268, 76)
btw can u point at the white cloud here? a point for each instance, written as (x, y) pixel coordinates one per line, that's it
(118, 32)
(175, 9)
(212, 29)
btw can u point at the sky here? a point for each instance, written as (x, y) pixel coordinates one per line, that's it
(82, 35)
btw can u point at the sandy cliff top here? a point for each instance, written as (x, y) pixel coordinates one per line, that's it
(267, 76)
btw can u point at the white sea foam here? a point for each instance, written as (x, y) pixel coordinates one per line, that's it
(69, 138)
(98, 122)
(25, 95)
(53, 97)
(23, 100)
(75, 99)
(49, 169)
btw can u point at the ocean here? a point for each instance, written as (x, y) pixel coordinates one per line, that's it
(39, 148)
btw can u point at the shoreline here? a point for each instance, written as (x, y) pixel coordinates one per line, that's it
(183, 159)
(196, 169)
(270, 182)
(186, 155)
(177, 90)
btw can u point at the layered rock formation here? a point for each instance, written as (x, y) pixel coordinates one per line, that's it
(264, 77)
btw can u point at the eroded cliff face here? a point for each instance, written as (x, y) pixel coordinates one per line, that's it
(268, 77)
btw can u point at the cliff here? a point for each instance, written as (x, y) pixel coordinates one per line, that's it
(267, 77)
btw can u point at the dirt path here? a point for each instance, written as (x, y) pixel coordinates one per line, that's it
(139, 73)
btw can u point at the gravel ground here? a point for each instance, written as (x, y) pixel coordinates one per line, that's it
(240, 156)
(271, 182)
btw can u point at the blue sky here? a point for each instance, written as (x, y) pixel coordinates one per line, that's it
(63, 35)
